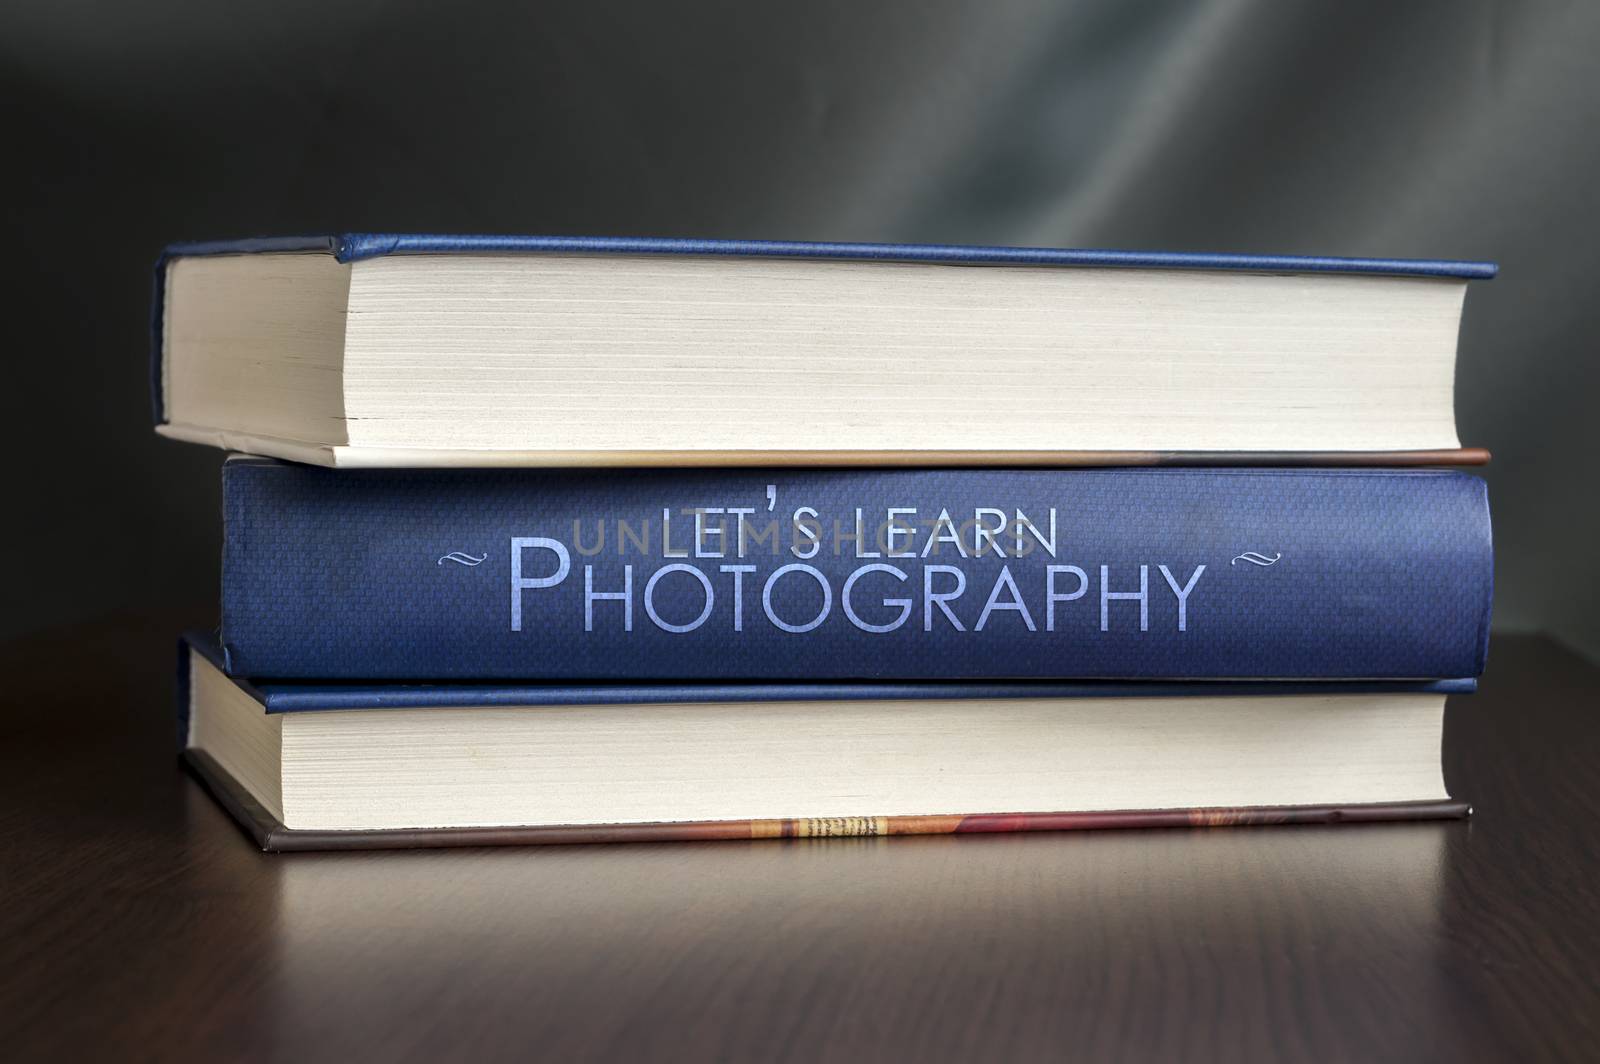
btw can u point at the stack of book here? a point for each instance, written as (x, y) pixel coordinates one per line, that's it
(559, 539)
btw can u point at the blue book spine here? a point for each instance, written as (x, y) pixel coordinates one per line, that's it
(840, 576)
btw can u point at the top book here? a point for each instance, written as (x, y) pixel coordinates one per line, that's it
(394, 350)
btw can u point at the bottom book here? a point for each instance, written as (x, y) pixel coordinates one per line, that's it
(354, 767)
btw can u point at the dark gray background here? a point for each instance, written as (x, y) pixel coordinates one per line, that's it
(1444, 129)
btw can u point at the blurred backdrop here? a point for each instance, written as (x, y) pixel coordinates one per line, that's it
(1426, 129)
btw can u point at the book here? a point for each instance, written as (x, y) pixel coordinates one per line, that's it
(946, 574)
(406, 350)
(345, 766)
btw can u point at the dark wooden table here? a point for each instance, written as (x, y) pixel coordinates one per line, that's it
(138, 922)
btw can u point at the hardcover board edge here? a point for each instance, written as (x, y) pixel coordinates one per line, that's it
(354, 247)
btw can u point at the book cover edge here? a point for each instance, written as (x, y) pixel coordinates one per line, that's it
(355, 247)
(309, 696)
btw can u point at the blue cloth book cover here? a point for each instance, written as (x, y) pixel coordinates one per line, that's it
(723, 576)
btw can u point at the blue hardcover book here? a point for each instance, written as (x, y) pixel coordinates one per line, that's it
(405, 351)
(813, 575)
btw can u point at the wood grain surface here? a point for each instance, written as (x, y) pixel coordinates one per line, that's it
(138, 922)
